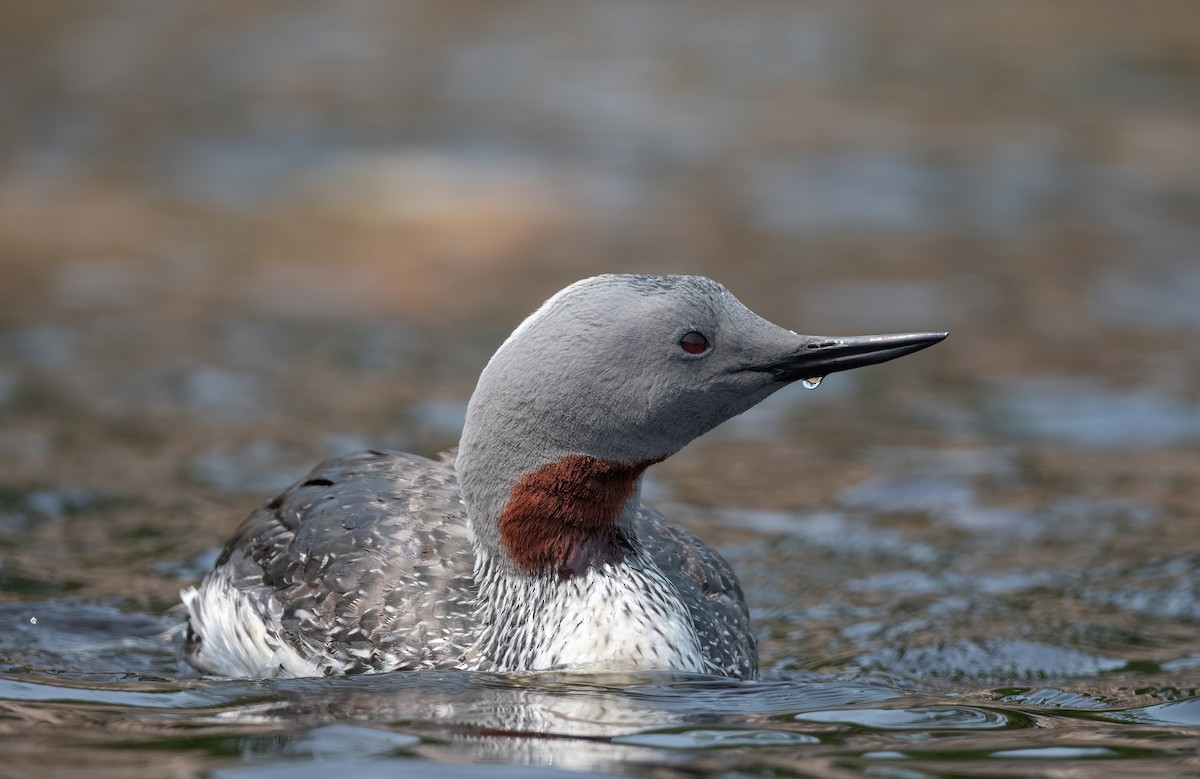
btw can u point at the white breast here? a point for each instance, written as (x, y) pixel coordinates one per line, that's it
(626, 617)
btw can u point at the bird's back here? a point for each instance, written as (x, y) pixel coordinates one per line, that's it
(366, 565)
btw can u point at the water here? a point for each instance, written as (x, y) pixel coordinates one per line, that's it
(234, 243)
(107, 692)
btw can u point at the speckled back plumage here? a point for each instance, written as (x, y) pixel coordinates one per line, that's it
(366, 565)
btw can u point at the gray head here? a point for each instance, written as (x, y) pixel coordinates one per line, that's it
(610, 375)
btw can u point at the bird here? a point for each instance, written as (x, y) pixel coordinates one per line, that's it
(527, 548)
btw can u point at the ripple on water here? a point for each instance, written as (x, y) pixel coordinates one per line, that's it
(330, 742)
(1059, 699)
(1169, 590)
(136, 695)
(1078, 411)
(916, 493)
(1056, 753)
(834, 531)
(1184, 712)
(953, 500)
(707, 738)
(991, 659)
(70, 638)
(790, 694)
(912, 582)
(920, 718)
(391, 766)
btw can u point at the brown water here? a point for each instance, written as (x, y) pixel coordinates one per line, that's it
(236, 240)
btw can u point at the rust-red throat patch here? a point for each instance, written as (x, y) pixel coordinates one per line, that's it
(562, 517)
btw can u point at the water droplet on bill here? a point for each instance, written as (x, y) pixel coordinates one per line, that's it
(812, 382)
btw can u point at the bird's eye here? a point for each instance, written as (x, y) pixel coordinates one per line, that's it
(694, 343)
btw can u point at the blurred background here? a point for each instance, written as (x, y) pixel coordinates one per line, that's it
(237, 238)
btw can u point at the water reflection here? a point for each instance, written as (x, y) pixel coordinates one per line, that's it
(555, 723)
(1184, 712)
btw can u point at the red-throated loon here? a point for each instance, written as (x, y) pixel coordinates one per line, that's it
(531, 549)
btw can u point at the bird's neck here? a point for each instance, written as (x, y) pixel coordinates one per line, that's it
(566, 516)
(550, 515)
(549, 486)
(562, 580)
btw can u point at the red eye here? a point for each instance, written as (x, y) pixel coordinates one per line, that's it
(694, 343)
